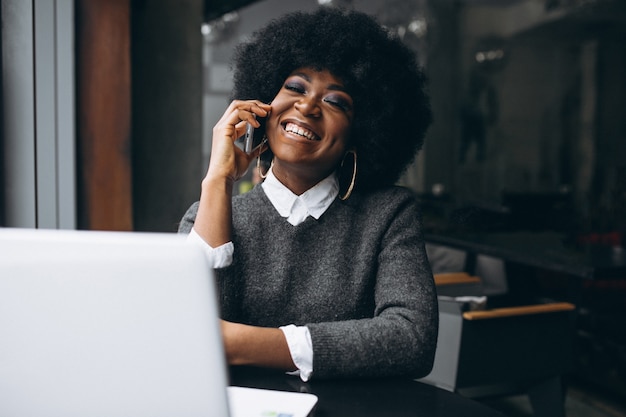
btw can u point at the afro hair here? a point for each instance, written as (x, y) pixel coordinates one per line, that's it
(391, 106)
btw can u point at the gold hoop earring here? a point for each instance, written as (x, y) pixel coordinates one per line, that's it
(352, 181)
(258, 160)
(258, 166)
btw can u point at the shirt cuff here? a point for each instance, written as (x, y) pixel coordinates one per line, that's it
(219, 257)
(301, 349)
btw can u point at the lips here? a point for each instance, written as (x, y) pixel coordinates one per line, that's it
(300, 131)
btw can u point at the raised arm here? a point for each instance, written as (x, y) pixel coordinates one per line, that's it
(228, 164)
(213, 223)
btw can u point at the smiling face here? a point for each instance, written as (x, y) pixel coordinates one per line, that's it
(308, 128)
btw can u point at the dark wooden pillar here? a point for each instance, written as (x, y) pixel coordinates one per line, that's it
(167, 103)
(103, 114)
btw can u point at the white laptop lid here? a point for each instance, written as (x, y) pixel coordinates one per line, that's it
(107, 324)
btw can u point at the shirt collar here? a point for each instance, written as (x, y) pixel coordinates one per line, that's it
(316, 199)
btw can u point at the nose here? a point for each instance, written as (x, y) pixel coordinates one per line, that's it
(308, 106)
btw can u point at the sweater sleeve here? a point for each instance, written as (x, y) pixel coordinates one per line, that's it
(401, 336)
(186, 223)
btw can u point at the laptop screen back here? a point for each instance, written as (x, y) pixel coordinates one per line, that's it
(107, 324)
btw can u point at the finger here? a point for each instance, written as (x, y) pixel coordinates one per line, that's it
(239, 117)
(256, 107)
(240, 129)
(259, 108)
(240, 112)
(250, 114)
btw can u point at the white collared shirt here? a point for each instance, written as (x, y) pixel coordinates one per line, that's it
(295, 209)
(313, 202)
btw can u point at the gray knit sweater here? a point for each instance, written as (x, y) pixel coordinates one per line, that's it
(358, 278)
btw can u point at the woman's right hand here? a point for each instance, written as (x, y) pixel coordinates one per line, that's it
(228, 161)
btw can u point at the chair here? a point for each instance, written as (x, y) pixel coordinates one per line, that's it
(458, 284)
(502, 351)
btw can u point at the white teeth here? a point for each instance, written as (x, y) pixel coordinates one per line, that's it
(293, 128)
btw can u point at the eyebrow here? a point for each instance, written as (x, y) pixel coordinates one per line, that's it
(333, 87)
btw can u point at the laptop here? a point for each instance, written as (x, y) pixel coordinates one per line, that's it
(112, 324)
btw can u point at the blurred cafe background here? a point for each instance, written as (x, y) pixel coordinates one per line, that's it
(108, 106)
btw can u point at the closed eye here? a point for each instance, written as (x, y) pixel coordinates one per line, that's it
(338, 102)
(295, 87)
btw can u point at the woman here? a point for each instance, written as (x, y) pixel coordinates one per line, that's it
(319, 276)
